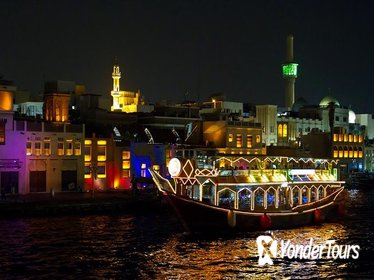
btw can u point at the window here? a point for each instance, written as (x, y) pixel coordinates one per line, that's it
(28, 148)
(230, 138)
(47, 147)
(350, 152)
(126, 164)
(101, 170)
(258, 139)
(87, 170)
(336, 137)
(335, 152)
(239, 140)
(38, 148)
(101, 150)
(272, 129)
(345, 152)
(345, 137)
(337, 118)
(280, 130)
(69, 147)
(344, 119)
(60, 148)
(340, 152)
(2, 133)
(143, 170)
(284, 130)
(360, 152)
(77, 148)
(87, 150)
(360, 138)
(249, 141)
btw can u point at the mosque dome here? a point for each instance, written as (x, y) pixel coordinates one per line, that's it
(327, 100)
(351, 116)
(299, 103)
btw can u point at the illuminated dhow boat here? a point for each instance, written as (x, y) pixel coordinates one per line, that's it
(252, 194)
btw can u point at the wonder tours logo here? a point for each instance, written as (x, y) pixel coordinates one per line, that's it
(269, 249)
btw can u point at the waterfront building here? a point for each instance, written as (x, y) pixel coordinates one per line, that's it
(266, 115)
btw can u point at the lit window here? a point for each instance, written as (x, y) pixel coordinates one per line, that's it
(336, 137)
(101, 170)
(38, 148)
(28, 148)
(360, 152)
(2, 133)
(69, 147)
(360, 138)
(249, 141)
(335, 152)
(284, 130)
(87, 152)
(355, 154)
(345, 137)
(87, 170)
(350, 138)
(126, 164)
(345, 152)
(355, 138)
(280, 130)
(143, 171)
(101, 150)
(47, 147)
(238, 140)
(340, 137)
(340, 152)
(231, 137)
(350, 152)
(258, 139)
(60, 148)
(77, 148)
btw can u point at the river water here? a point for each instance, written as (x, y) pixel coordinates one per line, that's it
(153, 246)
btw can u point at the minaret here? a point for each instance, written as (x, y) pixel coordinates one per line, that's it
(116, 75)
(115, 93)
(289, 73)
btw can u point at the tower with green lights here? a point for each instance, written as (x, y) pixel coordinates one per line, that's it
(289, 70)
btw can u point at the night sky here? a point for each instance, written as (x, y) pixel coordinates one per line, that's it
(167, 48)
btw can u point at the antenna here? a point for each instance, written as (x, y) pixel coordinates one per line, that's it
(149, 135)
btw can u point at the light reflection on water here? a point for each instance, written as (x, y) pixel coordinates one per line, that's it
(153, 246)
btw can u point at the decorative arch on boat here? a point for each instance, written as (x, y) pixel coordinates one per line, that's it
(295, 195)
(304, 195)
(229, 201)
(259, 197)
(208, 192)
(244, 198)
(321, 192)
(313, 194)
(273, 198)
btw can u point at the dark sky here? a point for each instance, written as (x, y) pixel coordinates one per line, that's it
(167, 48)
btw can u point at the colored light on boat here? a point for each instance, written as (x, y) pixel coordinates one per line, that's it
(174, 167)
(302, 171)
(284, 184)
(265, 222)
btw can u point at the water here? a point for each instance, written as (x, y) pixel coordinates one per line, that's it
(153, 246)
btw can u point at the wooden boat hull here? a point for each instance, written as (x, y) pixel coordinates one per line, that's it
(198, 216)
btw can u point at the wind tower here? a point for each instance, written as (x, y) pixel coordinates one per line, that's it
(289, 69)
